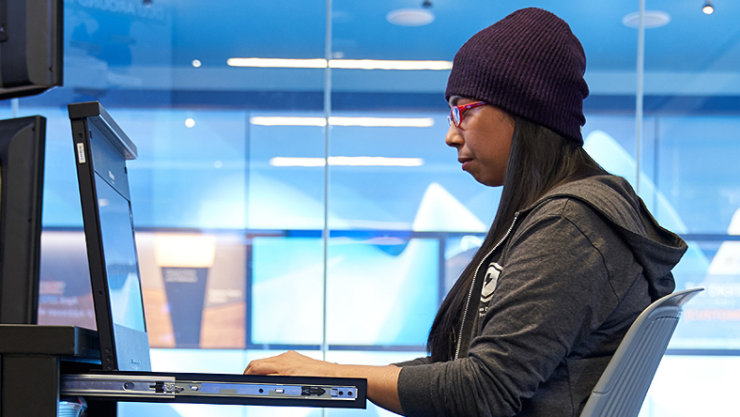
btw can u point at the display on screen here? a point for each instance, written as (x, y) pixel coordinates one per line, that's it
(379, 292)
(120, 257)
(65, 297)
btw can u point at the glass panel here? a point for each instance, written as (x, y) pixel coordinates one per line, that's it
(232, 163)
(712, 321)
(682, 385)
(402, 178)
(695, 157)
(286, 296)
(382, 290)
(190, 172)
(204, 174)
(286, 171)
(119, 46)
(692, 97)
(194, 288)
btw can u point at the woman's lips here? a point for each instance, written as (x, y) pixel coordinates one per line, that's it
(464, 161)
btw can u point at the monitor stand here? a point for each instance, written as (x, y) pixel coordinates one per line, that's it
(31, 361)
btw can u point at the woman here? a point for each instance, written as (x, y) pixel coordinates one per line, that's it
(571, 259)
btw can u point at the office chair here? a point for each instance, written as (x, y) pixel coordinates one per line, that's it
(622, 387)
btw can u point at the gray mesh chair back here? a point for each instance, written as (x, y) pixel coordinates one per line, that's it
(622, 387)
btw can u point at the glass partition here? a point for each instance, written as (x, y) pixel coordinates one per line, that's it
(691, 102)
(292, 170)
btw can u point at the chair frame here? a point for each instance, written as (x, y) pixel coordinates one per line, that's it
(621, 389)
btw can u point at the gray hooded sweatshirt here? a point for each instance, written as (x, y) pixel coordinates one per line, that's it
(556, 297)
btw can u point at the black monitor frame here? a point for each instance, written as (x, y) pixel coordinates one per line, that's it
(22, 146)
(31, 46)
(101, 151)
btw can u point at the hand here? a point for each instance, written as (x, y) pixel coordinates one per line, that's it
(290, 363)
(382, 381)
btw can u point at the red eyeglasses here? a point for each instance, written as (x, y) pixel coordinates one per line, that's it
(456, 112)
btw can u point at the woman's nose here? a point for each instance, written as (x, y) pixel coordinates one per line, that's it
(453, 138)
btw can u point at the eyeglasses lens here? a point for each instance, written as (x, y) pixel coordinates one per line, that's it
(455, 116)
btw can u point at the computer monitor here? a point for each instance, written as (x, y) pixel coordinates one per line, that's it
(101, 150)
(22, 143)
(31, 46)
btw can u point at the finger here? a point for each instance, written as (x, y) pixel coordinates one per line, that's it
(260, 367)
(251, 367)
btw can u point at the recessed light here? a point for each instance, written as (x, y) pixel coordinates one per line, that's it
(373, 64)
(277, 62)
(651, 19)
(352, 161)
(343, 121)
(196, 63)
(410, 17)
(363, 64)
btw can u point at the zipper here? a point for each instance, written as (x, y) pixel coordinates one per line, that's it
(472, 285)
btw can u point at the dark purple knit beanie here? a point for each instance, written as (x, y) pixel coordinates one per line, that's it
(529, 64)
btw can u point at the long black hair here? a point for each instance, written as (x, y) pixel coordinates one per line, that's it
(539, 160)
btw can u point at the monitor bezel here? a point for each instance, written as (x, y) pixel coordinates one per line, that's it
(22, 148)
(31, 46)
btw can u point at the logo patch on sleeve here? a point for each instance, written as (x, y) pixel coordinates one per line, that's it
(489, 286)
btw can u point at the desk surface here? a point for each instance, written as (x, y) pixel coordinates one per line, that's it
(33, 339)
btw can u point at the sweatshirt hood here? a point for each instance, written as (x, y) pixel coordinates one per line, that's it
(657, 249)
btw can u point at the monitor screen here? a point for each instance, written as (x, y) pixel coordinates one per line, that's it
(121, 265)
(31, 46)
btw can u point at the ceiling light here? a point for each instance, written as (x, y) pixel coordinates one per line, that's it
(343, 121)
(196, 63)
(382, 121)
(410, 17)
(708, 8)
(276, 63)
(355, 161)
(287, 121)
(364, 64)
(189, 122)
(651, 19)
(284, 161)
(374, 64)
